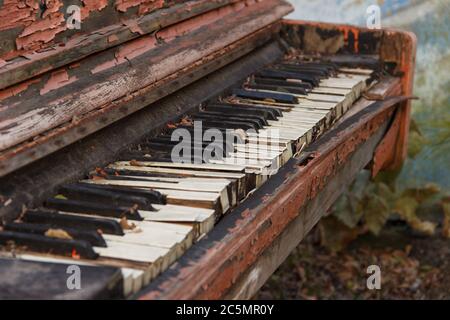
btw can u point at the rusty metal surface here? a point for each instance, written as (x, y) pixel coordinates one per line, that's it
(211, 267)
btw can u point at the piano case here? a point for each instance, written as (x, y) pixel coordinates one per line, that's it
(72, 100)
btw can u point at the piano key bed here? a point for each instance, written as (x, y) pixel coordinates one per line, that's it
(144, 211)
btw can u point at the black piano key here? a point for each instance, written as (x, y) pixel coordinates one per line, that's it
(85, 193)
(226, 147)
(167, 148)
(45, 244)
(132, 173)
(57, 220)
(320, 70)
(85, 207)
(228, 124)
(91, 236)
(152, 196)
(277, 74)
(196, 153)
(274, 112)
(286, 89)
(242, 110)
(167, 139)
(228, 134)
(260, 95)
(236, 114)
(282, 83)
(257, 121)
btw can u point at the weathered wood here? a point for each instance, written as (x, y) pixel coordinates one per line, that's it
(35, 63)
(103, 88)
(250, 281)
(53, 140)
(39, 181)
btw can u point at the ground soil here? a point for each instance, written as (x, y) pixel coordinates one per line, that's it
(412, 267)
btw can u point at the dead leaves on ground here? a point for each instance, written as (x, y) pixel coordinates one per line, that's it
(367, 206)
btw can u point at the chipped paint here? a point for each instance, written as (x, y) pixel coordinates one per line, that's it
(145, 6)
(127, 52)
(113, 38)
(16, 89)
(25, 28)
(190, 25)
(15, 13)
(57, 80)
(92, 5)
(133, 26)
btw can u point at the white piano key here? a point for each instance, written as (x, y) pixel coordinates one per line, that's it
(201, 166)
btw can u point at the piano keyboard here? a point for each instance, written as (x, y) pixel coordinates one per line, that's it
(143, 212)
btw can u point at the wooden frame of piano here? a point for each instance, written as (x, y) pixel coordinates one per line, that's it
(245, 248)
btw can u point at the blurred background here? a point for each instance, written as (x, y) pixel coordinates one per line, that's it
(401, 220)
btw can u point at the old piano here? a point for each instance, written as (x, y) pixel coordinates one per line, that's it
(90, 117)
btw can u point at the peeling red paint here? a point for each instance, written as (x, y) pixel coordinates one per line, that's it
(133, 26)
(16, 89)
(15, 13)
(149, 6)
(113, 38)
(184, 27)
(127, 52)
(92, 5)
(145, 6)
(43, 31)
(57, 80)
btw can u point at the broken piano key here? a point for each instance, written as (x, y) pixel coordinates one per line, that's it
(85, 207)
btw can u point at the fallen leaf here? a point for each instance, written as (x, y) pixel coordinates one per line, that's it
(58, 234)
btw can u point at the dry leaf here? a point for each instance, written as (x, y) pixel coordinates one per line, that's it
(58, 234)
(126, 225)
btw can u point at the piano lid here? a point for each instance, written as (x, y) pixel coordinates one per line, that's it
(52, 77)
